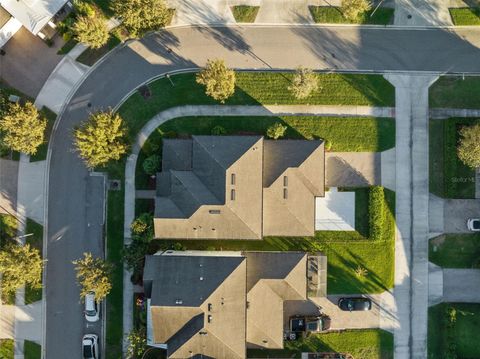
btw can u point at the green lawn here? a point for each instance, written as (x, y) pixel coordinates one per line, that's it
(449, 177)
(42, 150)
(363, 343)
(32, 350)
(458, 339)
(90, 56)
(6, 349)
(455, 92)
(345, 134)
(256, 88)
(455, 250)
(465, 15)
(245, 13)
(345, 252)
(36, 241)
(333, 15)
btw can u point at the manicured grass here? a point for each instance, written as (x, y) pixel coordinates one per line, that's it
(455, 250)
(333, 15)
(6, 349)
(345, 134)
(32, 350)
(36, 241)
(245, 13)
(363, 343)
(256, 88)
(455, 92)
(42, 150)
(453, 340)
(144, 206)
(90, 56)
(346, 251)
(465, 15)
(449, 177)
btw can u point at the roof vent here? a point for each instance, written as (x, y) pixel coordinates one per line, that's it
(201, 278)
(210, 318)
(178, 301)
(210, 307)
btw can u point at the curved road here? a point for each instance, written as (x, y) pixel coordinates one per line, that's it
(75, 199)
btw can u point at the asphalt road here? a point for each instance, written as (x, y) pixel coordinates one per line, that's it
(75, 201)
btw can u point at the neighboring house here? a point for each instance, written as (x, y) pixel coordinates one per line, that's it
(238, 187)
(37, 16)
(218, 304)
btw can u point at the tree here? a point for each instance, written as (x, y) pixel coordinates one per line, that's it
(102, 138)
(93, 274)
(20, 265)
(141, 16)
(218, 131)
(218, 79)
(468, 148)
(304, 82)
(151, 165)
(276, 131)
(22, 128)
(91, 31)
(143, 225)
(137, 343)
(351, 9)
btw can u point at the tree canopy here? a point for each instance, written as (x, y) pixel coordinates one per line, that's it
(22, 128)
(304, 82)
(218, 79)
(93, 274)
(276, 131)
(468, 149)
(102, 138)
(19, 265)
(351, 9)
(141, 16)
(91, 31)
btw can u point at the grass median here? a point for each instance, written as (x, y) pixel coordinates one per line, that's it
(465, 16)
(245, 13)
(334, 15)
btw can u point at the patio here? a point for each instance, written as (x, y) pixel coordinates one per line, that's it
(335, 211)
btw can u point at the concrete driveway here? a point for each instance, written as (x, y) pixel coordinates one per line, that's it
(28, 62)
(352, 169)
(457, 211)
(461, 285)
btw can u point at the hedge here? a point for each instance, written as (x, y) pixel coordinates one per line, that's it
(376, 212)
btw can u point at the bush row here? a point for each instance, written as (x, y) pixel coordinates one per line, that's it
(376, 212)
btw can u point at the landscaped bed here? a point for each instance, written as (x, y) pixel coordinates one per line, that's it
(333, 15)
(453, 331)
(245, 13)
(6, 348)
(455, 92)
(363, 343)
(449, 177)
(36, 241)
(455, 250)
(465, 15)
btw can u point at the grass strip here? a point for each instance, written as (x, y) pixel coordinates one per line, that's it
(333, 15)
(465, 16)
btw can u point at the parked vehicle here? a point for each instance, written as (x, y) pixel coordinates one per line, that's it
(90, 346)
(473, 224)
(355, 304)
(302, 324)
(92, 309)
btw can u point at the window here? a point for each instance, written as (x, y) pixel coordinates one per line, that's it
(285, 193)
(285, 181)
(232, 195)
(232, 179)
(214, 211)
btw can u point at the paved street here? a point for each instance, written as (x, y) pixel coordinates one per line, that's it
(75, 201)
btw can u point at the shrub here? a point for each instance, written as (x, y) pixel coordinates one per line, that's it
(468, 149)
(218, 131)
(91, 31)
(276, 131)
(351, 9)
(328, 145)
(218, 79)
(84, 8)
(137, 343)
(143, 225)
(376, 212)
(151, 165)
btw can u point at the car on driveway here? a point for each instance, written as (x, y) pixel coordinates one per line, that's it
(355, 304)
(315, 324)
(92, 309)
(90, 346)
(473, 224)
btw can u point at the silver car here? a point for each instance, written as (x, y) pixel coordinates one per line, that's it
(90, 346)
(473, 224)
(92, 309)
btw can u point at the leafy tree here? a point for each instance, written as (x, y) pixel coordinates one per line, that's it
(218, 79)
(22, 128)
(351, 9)
(276, 131)
(143, 225)
(304, 82)
(218, 131)
(20, 265)
(151, 165)
(137, 343)
(82, 7)
(91, 31)
(141, 16)
(93, 274)
(102, 138)
(134, 254)
(468, 149)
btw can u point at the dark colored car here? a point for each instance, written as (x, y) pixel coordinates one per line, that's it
(309, 324)
(355, 304)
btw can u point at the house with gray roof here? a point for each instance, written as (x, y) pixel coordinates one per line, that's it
(238, 187)
(218, 304)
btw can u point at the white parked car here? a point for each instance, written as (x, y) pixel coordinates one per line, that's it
(90, 346)
(473, 224)
(92, 309)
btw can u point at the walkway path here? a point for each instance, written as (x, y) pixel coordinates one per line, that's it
(411, 245)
